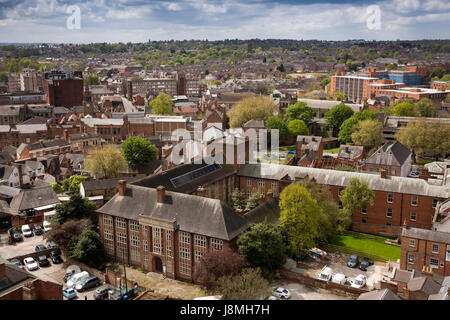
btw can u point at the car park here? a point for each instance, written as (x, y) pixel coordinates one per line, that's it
(46, 225)
(101, 294)
(68, 275)
(359, 281)
(51, 245)
(26, 231)
(40, 247)
(43, 261)
(69, 293)
(55, 257)
(339, 278)
(282, 293)
(353, 261)
(325, 274)
(38, 230)
(76, 279)
(17, 237)
(365, 263)
(87, 283)
(30, 264)
(17, 263)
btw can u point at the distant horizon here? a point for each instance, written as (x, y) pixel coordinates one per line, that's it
(137, 21)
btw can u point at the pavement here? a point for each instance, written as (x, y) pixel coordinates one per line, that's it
(303, 292)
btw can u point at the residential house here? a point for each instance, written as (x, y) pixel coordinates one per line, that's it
(393, 157)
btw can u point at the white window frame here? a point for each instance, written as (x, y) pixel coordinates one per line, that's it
(414, 200)
(433, 246)
(412, 243)
(390, 195)
(387, 210)
(411, 216)
(432, 265)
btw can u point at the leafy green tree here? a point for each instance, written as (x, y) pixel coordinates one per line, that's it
(248, 285)
(356, 195)
(105, 162)
(237, 199)
(138, 150)
(89, 249)
(278, 124)
(263, 246)
(325, 82)
(337, 115)
(66, 235)
(297, 128)
(299, 111)
(404, 109)
(72, 184)
(251, 108)
(75, 209)
(339, 96)
(253, 200)
(347, 127)
(92, 79)
(3, 77)
(162, 104)
(425, 108)
(299, 215)
(57, 187)
(367, 133)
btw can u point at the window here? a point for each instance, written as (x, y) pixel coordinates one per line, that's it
(340, 191)
(185, 253)
(390, 198)
(434, 248)
(135, 255)
(435, 201)
(168, 243)
(185, 237)
(134, 225)
(200, 241)
(121, 223)
(393, 172)
(388, 224)
(411, 259)
(414, 200)
(121, 238)
(447, 255)
(261, 183)
(364, 210)
(108, 234)
(363, 220)
(249, 182)
(412, 243)
(107, 220)
(134, 241)
(274, 186)
(157, 240)
(434, 263)
(217, 244)
(389, 212)
(185, 268)
(413, 216)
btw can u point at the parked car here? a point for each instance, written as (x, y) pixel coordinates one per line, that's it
(17, 263)
(353, 261)
(68, 275)
(365, 263)
(17, 237)
(282, 293)
(101, 294)
(359, 282)
(30, 264)
(88, 283)
(69, 293)
(40, 247)
(76, 279)
(51, 245)
(46, 226)
(26, 231)
(325, 274)
(43, 261)
(339, 278)
(56, 258)
(413, 174)
(38, 230)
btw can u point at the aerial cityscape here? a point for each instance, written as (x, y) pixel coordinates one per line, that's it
(222, 150)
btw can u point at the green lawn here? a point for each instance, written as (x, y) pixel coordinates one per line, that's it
(368, 246)
(334, 150)
(287, 148)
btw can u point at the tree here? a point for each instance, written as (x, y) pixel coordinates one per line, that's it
(297, 128)
(437, 138)
(263, 246)
(105, 162)
(339, 96)
(404, 109)
(92, 79)
(425, 108)
(347, 127)
(71, 184)
(89, 249)
(162, 104)
(253, 200)
(3, 77)
(251, 108)
(367, 133)
(299, 111)
(248, 285)
(278, 124)
(138, 150)
(57, 187)
(356, 195)
(413, 137)
(237, 200)
(337, 115)
(325, 82)
(215, 264)
(299, 215)
(66, 235)
(75, 209)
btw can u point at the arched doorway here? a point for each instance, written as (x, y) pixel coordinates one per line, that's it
(158, 264)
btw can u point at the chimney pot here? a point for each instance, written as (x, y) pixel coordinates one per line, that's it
(122, 187)
(161, 192)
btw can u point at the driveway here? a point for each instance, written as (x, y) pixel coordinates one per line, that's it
(21, 248)
(303, 292)
(54, 273)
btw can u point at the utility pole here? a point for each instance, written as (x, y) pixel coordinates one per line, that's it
(124, 269)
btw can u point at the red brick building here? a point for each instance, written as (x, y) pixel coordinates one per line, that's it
(63, 89)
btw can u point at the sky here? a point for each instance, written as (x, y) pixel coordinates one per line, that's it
(55, 21)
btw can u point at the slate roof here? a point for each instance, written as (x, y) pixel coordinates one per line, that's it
(47, 144)
(105, 184)
(259, 124)
(326, 104)
(424, 284)
(14, 276)
(268, 211)
(383, 294)
(430, 235)
(34, 198)
(309, 142)
(390, 154)
(194, 214)
(341, 178)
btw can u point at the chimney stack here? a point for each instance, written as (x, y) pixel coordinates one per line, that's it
(383, 174)
(66, 135)
(201, 191)
(161, 192)
(122, 187)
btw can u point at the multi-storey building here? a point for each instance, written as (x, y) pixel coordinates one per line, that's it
(63, 89)
(355, 88)
(29, 80)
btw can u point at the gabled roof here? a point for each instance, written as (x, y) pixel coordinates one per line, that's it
(34, 198)
(424, 284)
(254, 124)
(194, 214)
(5, 171)
(105, 184)
(383, 294)
(390, 154)
(268, 211)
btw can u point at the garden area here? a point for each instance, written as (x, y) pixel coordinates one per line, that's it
(334, 150)
(369, 245)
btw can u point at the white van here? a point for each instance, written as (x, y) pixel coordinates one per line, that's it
(46, 226)
(76, 279)
(339, 278)
(26, 230)
(325, 274)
